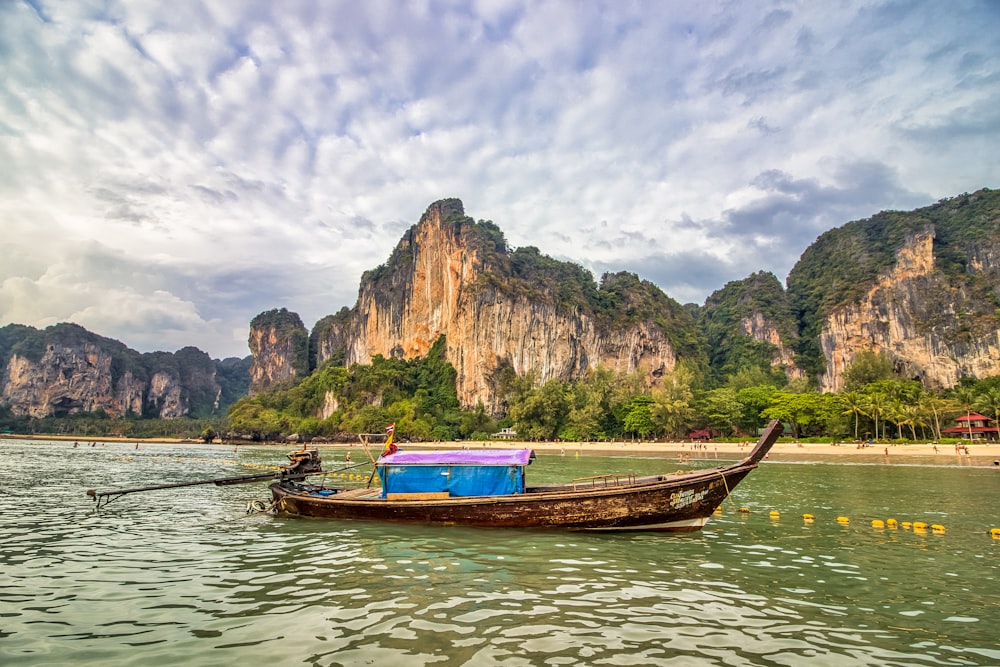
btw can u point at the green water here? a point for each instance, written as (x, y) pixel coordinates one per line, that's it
(186, 577)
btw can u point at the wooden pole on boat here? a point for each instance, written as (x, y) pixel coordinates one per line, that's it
(105, 497)
(363, 437)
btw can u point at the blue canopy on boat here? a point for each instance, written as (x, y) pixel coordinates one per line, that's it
(493, 472)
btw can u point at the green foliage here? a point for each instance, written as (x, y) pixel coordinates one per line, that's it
(754, 400)
(21, 340)
(807, 413)
(722, 319)
(233, 376)
(639, 418)
(418, 395)
(99, 424)
(867, 367)
(542, 412)
(672, 403)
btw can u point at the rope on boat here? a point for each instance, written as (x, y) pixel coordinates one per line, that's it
(259, 506)
(726, 483)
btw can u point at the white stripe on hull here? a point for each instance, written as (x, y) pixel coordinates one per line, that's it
(679, 526)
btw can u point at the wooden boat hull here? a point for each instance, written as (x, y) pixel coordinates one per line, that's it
(667, 503)
(681, 502)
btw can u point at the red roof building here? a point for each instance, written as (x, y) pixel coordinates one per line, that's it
(979, 426)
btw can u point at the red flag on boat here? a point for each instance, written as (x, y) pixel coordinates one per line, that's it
(390, 448)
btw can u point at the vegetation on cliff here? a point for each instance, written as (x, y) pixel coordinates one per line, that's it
(418, 395)
(324, 331)
(31, 343)
(525, 273)
(721, 319)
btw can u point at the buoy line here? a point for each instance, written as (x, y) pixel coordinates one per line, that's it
(917, 527)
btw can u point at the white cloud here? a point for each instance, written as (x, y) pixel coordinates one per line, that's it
(175, 169)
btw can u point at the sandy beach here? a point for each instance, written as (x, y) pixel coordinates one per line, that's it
(931, 454)
(928, 453)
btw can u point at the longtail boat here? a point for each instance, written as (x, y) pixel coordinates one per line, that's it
(487, 488)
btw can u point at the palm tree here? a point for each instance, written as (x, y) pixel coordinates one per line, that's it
(934, 405)
(875, 405)
(911, 415)
(966, 397)
(854, 404)
(989, 402)
(893, 412)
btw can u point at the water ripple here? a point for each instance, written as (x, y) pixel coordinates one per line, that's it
(187, 573)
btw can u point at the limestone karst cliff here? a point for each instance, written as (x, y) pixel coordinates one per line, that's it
(922, 287)
(497, 309)
(66, 370)
(279, 344)
(918, 319)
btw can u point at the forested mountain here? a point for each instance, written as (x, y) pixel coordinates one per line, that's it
(917, 290)
(501, 312)
(458, 333)
(921, 286)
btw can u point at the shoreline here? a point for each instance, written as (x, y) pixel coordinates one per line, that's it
(979, 453)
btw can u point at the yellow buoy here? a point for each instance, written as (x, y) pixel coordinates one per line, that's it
(937, 528)
(919, 525)
(892, 523)
(843, 519)
(808, 517)
(718, 510)
(995, 533)
(878, 523)
(745, 510)
(774, 514)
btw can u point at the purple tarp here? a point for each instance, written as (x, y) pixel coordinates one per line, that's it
(462, 457)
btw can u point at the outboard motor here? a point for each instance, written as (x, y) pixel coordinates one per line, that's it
(303, 462)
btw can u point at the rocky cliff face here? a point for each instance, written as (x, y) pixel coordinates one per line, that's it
(279, 345)
(443, 280)
(64, 381)
(927, 325)
(68, 380)
(759, 328)
(164, 398)
(66, 370)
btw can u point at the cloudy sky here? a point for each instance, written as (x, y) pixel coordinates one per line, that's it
(170, 169)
